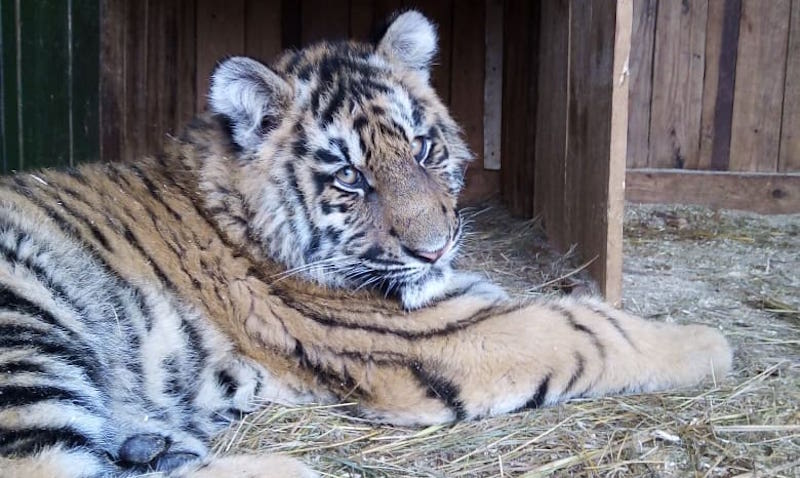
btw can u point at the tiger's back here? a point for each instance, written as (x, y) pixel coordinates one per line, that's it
(296, 245)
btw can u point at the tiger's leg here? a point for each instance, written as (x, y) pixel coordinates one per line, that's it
(467, 358)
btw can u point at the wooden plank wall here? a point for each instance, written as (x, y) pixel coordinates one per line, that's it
(48, 83)
(714, 87)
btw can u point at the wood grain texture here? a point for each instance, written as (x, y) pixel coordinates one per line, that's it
(112, 79)
(156, 94)
(325, 20)
(641, 81)
(220, 33)
(725, 82)
(593, 44)
(520, 89)
(468, 66)
(714, 28)
(186, 74)
(611, 281)
(765, 193)
(134, 138)
(677, 97)
(263, 30)
(493, 85)
(790, 127)
(760, 72)
(551, 122)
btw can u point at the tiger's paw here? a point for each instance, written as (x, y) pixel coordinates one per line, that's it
(251, 466)
(448, 284)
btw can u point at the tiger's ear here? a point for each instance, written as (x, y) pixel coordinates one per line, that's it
(410, 39)
(251, 96)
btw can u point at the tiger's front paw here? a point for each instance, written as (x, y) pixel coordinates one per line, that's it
(251, 466)
(449, 284)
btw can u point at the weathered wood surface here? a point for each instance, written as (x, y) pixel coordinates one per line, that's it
(766, 193)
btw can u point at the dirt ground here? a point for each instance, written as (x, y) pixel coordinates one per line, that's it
(736, 271)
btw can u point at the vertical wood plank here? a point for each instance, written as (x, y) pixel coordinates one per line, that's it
(112, 78)
(760, 72)
(169, 67)
(611, 270)
(325, 20)
(520, 53)
(263, 29)
(551, 121)
(135, 90)
(362, 16)
(714, 29)
(441, 13)
(678, 67)
(155, 95)
(185, 88)
(290, 23)
(723, 99)
(8, 76)
(493, 85)
(85, 80)
(789, 160)
(45, 69)
(220, 33)
(591, 170)
(467, 91)
(641, 81)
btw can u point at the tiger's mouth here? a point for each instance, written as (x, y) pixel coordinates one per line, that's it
(393, 279)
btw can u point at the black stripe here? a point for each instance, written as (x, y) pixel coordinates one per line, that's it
(331, 318)
(18, 366)
(31, 440)
(10, 300)
(601, 349)
(577, 374)
(334, 103)
(440, 388)
(16, 336)
(541, 394)
(327, 157)
(18, 395)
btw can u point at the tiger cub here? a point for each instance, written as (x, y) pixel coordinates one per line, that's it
(294, 245)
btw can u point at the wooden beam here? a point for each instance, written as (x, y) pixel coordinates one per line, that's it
(611, 283)
(597, 135)
(765, 193)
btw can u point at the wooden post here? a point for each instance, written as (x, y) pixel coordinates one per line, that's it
(581, 132)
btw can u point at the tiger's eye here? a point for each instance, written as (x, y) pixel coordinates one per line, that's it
(420, 148)
(347, 175)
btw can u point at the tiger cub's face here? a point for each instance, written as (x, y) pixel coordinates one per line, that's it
(348, 160)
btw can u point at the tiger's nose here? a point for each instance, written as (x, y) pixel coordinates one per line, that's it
(433, 256)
